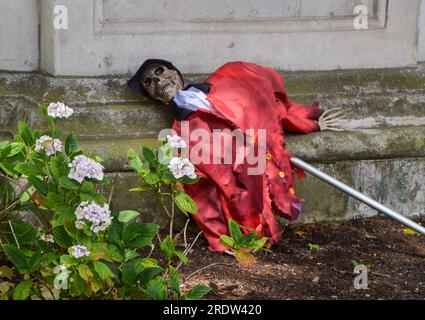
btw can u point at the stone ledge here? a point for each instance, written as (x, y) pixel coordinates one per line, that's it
(383, 153)
(397, 183)
(399, 142)
(388, 143)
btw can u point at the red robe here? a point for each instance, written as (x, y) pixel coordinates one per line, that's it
(247, 95)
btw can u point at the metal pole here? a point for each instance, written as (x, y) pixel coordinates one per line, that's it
(358, 195)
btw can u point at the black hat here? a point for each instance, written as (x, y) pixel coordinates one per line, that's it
(134, 82)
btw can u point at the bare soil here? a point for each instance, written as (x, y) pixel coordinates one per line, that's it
(395, 261)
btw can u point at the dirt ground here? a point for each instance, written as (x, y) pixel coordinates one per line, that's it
(316, 261)
(293, 270)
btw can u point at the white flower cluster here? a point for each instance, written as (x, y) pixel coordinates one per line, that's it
(59, 110)
(47, 238)
(175, 141)
(83, 167)
(78, 251)
(99, 217)
(48, 144)
(182, 167)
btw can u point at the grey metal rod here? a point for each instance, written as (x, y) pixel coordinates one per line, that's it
(358, 195)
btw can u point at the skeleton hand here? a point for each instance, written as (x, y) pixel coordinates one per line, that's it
(332, 119)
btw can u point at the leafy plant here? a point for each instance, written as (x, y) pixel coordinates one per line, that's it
(85, 249)
(355, 263)
(243, 245)
(314, 246)
(165, 173)
(411, 232)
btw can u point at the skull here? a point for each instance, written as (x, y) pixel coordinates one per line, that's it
(161, 83)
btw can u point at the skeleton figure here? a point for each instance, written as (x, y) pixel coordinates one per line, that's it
(161, 81)
(239, 95)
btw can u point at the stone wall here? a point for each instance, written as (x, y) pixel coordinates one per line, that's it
(19, 35)
(107, 37)
(88, 64)
(382, 153)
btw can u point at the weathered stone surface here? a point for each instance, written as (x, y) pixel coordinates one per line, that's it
(382, 153)
(19, 26)
(394, 142)
(110, 37)
(397, 183)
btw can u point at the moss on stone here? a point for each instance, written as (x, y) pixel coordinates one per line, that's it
(54, 94)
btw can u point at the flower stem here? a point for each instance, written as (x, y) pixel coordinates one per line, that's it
(172, 215)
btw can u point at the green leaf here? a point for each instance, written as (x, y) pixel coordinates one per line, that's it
(87, 187)
(43, 110)
(168, 247)
(25, 232)
(174, 281)
(187, 180)
(85, 272)
(104, 181)
(8, 168)
(98, 198)
(116, 253)
(25, 133)
(71, 229)
(61, 237)
(127, 216)
(259, 244)
(102, 270)
(16, 147)
(57, 166)
(355, 262)
(411, 232)
(66, 183)
(145, 263)
(63, 213)
(39, 160)
(149, 156)
(166, 175)
(197, 292)
(18, 258)
(235, 231)
(313, 246)
(227, 242)
(100, 250)
(248, 239)
(3, 145)
(157, 289)
(54, 200)
(148, 274)
(28, 169)
(182, 257)
(185, 202)
(117, 274)
(71, 144)
(151, 178)
(129, 274)
(78, 286)
(131, 254)
(140, 189)
(34, 262)
(22, 290)
(115, 232)
(138, 235)
(135, 162)
(38, 184)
